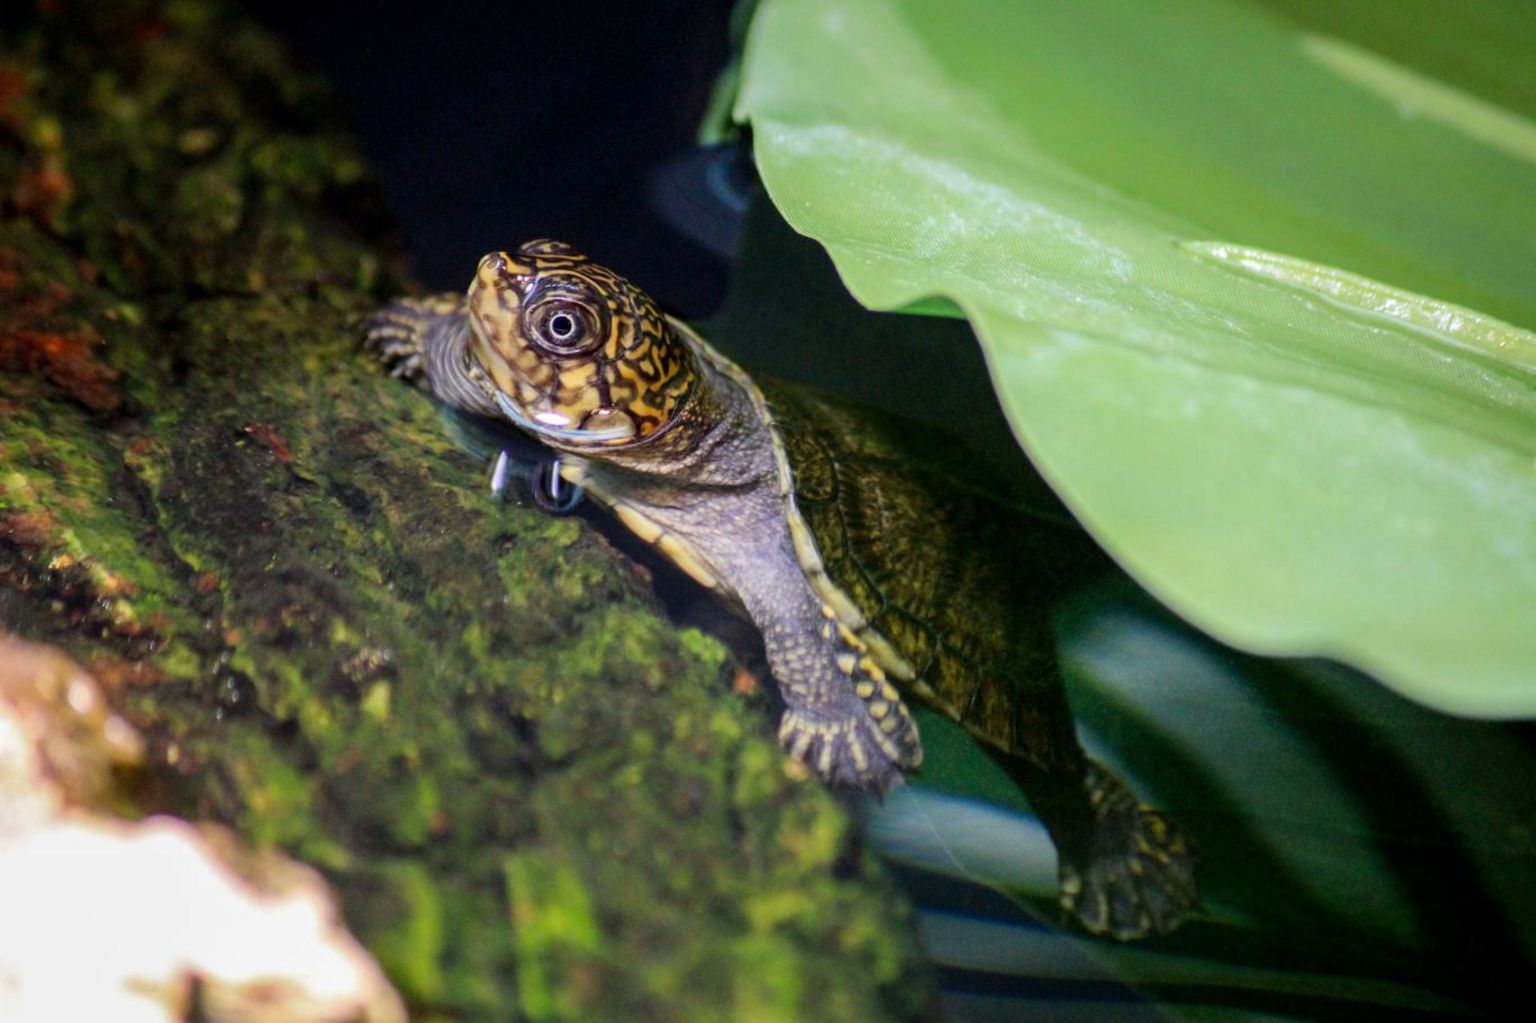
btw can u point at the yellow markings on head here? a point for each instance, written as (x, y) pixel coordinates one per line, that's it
(865, 690)
(845, 663)
(577, 352)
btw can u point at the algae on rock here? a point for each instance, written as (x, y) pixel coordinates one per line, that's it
(533, 794)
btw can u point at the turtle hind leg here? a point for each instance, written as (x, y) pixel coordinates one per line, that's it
(1127, 870)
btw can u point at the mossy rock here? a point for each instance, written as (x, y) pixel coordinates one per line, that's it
(535, 794)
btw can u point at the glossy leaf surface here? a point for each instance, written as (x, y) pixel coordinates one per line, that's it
(1257, 299)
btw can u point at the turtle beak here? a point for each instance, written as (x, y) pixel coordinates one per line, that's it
(494, 298)
(502, 271)
(493, 270)
(496, 293)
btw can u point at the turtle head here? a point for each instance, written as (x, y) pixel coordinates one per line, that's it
(574, 353)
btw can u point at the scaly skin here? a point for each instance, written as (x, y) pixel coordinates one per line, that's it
(863, 567)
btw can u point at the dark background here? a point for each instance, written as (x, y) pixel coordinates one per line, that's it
(490, 124)
(493, 123)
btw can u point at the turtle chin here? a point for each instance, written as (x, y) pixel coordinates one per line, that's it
(599, 426)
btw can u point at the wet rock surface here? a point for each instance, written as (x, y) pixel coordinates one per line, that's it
(532, 792)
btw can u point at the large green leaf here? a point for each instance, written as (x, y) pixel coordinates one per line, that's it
(1170, 224)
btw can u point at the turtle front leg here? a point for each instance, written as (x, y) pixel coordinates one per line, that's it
(843, 719)
(424, 340)
(402, 333)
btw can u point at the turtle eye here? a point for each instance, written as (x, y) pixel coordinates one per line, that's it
(562, 327)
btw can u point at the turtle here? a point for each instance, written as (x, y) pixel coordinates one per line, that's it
(875, 574)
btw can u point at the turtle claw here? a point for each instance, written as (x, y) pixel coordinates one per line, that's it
(1138, 875)
(844, 752)
(397, 333)
(393, 334)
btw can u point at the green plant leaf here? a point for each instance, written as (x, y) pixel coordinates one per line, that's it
(1248, 293)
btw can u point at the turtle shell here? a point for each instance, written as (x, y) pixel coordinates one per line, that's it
(956, 582)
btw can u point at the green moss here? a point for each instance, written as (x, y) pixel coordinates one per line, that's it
(704, 647)
(534, 793)
(767, 983)
(556, 933)
(407, 927)
(210, 204)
